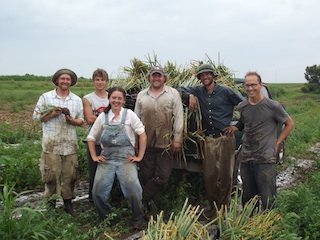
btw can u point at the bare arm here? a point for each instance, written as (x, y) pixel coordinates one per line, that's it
(288, 126)
(233, 128)
(230, 130)
(88, 113)
(192, 103)
(93, 153)
(142, 148)
(176, 146)
(178, 123)
(74, 121)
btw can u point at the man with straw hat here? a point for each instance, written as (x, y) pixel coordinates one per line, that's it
(59, 111)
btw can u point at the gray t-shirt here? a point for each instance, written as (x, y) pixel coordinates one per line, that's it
(260, 129)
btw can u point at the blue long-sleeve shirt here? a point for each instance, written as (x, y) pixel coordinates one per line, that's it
(216, 108)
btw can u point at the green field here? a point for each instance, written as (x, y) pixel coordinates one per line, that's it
(20, 150)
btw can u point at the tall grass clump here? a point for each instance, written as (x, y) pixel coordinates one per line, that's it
(20, 222)
(23, 222)
(250, 222)
(184, 225)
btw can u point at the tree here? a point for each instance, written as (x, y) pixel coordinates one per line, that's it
(312, 74)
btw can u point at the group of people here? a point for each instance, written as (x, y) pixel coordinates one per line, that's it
(120, 138)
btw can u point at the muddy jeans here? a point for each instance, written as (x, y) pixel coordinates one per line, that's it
(259, 179)
(127, 175)
(155, 168)
(59, 173)
(218, 167)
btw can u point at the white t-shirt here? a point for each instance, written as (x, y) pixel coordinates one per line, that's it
(96, 102)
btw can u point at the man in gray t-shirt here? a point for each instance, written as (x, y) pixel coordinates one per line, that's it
(260, 129)
(259, 119)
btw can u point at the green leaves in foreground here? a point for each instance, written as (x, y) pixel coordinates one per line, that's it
(26, 223)
(20, 222)
(250, 222)
(233, 223)
(184, 225)
(300, 208)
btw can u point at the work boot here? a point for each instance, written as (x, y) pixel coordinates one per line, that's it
(68, 206)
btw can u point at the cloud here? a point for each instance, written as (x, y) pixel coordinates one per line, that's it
(276, 38)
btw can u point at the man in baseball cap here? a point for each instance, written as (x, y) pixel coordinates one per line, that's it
(156, 69)
(160, 109)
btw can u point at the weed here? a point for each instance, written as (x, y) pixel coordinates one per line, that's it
(299, 208)
(19, 165)
(20, 222)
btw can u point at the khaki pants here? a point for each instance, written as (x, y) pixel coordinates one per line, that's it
(59, 173)
(218, 167)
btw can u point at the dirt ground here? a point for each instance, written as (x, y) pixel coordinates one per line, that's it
(17, 119)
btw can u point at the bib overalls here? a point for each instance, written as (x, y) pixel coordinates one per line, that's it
(116, 147)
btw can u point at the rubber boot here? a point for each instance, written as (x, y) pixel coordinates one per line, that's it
(68, 206)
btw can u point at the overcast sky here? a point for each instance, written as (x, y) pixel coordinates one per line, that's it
(277, 38)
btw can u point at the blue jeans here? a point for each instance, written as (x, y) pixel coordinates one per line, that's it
(127, 175)
(259, 179)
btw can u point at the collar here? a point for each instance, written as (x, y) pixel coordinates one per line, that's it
(69, 96)
(214, 89)
(165, 89)
(112, 114)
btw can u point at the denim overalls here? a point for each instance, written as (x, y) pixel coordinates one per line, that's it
(116, 147)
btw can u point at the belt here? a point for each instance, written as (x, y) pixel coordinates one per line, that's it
(216, 135)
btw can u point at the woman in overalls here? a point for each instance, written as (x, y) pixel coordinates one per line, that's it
(117, 128)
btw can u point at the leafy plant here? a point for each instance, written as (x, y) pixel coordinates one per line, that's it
(249, 222)
(20, 222)
(19, 165)
(11, 134)
(299, 208)
(184, 225)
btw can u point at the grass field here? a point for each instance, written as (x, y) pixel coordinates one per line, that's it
(20, 150)
(305, 110)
